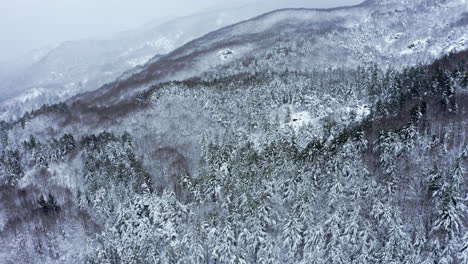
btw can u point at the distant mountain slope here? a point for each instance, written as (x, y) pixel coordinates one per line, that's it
(12, 67)
(389, 33)
(79, 66)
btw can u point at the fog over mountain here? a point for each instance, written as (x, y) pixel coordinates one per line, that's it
(248, 134)
(55, 72)
(29, 24)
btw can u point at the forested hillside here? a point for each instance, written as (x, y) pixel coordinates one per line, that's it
(337, 165)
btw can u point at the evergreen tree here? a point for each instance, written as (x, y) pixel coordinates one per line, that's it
(292, 238)
(449, 218)
(463, 249)
(11, 168)
(3, 134)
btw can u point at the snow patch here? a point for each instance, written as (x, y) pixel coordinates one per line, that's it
(362, 111)
(225, 54)
(415, 47)
(457, 45)
(393, 38)
(139, 61)
(357, 113)
(300, 119)
(28, 95)
(3, 219)
(165, 44)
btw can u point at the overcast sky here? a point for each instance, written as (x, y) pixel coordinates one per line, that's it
(29, 24)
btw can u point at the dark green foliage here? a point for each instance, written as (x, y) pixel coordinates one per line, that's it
(94, 142)
(464, 79)
(108, 161)
(313, 151)
(4, 126)
(11, 168)
(226, 82)
(60, 108)
(54, 150)
(67, 144)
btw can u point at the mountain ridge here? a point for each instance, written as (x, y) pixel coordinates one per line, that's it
(196, 47)
(83, 65)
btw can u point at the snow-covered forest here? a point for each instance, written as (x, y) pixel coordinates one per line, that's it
(375, 173)
(249, 162)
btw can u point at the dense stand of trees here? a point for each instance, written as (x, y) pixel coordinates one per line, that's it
(387, 185)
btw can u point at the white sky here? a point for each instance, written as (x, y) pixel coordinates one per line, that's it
(29, 24)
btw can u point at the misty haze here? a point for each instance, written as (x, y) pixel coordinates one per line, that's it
(216, 132)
